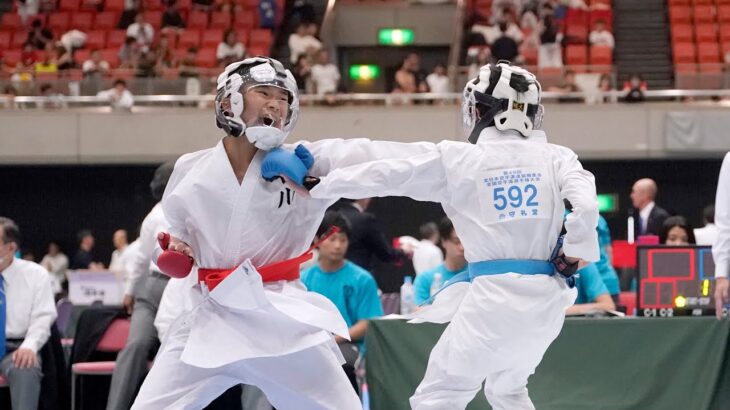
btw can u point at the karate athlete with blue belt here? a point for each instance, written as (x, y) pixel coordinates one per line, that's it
(504, 192)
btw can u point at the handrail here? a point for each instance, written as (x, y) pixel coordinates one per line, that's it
(393, 98)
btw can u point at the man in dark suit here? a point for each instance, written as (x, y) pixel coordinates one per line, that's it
(366, 239)
(649, 217)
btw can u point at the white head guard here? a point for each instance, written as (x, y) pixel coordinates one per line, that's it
(240, 77)
(502, 96)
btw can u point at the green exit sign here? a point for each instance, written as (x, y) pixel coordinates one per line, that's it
(364, 72)
(607, 203)
(395, 36)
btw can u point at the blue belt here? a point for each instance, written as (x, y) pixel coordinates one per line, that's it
(500, 266)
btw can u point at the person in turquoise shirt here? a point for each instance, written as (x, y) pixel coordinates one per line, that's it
(605, 269)
(454, 262)
(592, 293)
(351, 288)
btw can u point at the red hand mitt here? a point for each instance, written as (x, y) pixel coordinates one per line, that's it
(173, 263)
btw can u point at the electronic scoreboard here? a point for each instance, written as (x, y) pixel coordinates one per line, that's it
(675, 281)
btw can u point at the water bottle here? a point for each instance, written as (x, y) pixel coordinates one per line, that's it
(436, 284)
(407, 305)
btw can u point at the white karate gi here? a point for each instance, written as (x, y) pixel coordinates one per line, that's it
(276, 336)
(504, 196)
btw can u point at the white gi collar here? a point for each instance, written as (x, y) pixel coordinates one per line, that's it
(491, 134)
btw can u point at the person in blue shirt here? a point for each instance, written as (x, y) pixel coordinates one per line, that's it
(454, 262)
(605, 269)
(351, 288)
(592, 293)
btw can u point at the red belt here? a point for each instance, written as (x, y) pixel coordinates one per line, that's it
(273, 272)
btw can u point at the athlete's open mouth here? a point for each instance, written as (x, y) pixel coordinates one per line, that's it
(268, 120)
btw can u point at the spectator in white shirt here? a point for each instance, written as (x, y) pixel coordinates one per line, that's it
(95, 66)
(120, 242)
(600, 36)
(27, 9)
(143, 32)
(56, 263)
(230, 49)
(427, 255)
(438, 81)
(29, 312)
(325, 75)
(302, 42)
(118, 96)
(707, 234)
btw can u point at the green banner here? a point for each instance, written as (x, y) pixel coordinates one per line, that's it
(660, 363)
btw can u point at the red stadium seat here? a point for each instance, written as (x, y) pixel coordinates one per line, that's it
(679, 2)
(249, 4)
(245, 21)
(529, 54)
(704, 14)
(725, 48)
(706, 32)
(576, 17)
(708, 53)
(197, 20)
(12, 57)
(115, 38)
(212, 37)
(576, 55)
(171, 41)
(725, 32)
(261, 37)
(705, 2)
(220, 20)
(152, 5)
(242, 36)
(605, 15)
(577, 34)
(19, 38)
(189, 38)
(601, 55)
(11, 21)
(682, 33)
(683, 53)
(5, 39)
(680, 14)
(154, 18)
(106, 20)
(184, 5)
(59, 21)
(82, 55)
(258, 51)
(206, 58)
(82, 20)
(111, 56)
(723, 13)
(69, 5)
(95, 39)
(114, 5)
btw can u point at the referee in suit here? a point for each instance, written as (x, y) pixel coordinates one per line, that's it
(650, 216)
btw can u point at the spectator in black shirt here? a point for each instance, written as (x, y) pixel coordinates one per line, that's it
(39, 36)
(84, 259)
(505, 47)
(171, 18)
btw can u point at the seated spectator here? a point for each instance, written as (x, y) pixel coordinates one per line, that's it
(409, 79)
(29, 55)
(351, 288)
(568, 85)
(163, 54)
(29, 312)
(504, 47)
(9, 93)
(325, 75)
(119, 98)
(454, 263)
(56, 263)
(229, 49)
(512, 29)
(301, 42)
(676, 231)
(171, 18)
(427, 255)
(438, 81)
(634, 88)
(65, 59)
(141, 31)
(121, 245)
(129, 53)
(39, 36)
(22, 78)
(707, 234)
(550, 54)
(146, 65)
(95, 66)
(73, 40)
(600, 36)
(131, 8)
(482, 58)
(55, 100)
(47, 65)
(27, 9)
(187, 67)
(302, 72)
(605, 84)
(593, 296)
